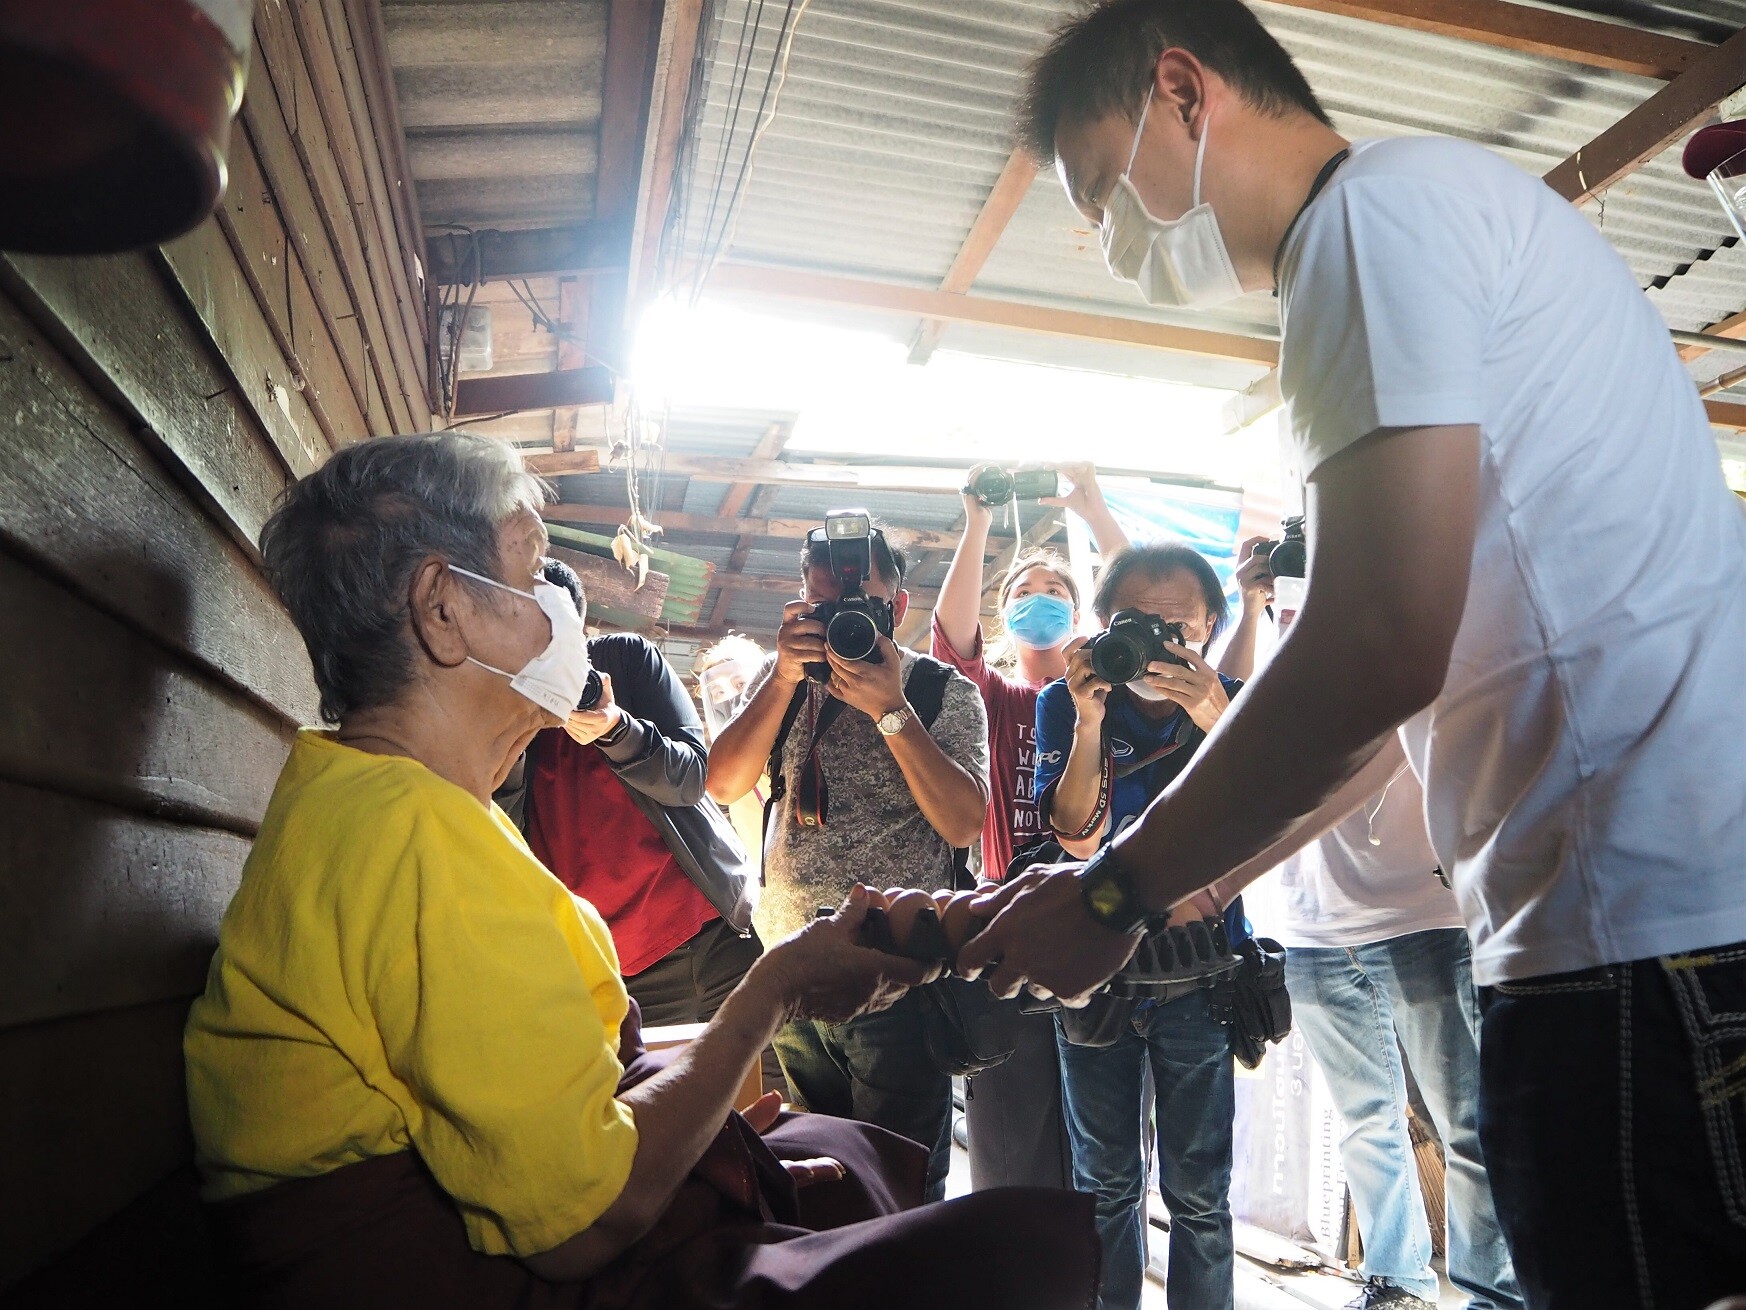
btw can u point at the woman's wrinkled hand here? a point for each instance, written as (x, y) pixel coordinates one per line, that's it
(824, 973)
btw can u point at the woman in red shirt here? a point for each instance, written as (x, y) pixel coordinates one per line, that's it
(1017, 1137)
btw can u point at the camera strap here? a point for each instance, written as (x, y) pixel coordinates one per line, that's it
(812, 797)
(1099, 811)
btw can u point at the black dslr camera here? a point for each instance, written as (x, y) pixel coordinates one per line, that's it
(855, 621)
(1133, 640)
(997, 486)
(1288, 557)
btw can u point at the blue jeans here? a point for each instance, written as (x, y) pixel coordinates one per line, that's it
(1188, 1055)
(875, 1069)
(1358, 1007)
(1613, 1109)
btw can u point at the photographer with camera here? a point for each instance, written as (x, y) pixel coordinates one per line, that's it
(612, 802)
(1136, 702)
(1017, 1135)
(878, 764)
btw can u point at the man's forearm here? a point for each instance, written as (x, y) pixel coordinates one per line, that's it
(1371, 778)
(949, 796)
(1310, 722)
(1075, 799)
(740, 752)
(1106, 532)
(959, 607)
(1238, 660)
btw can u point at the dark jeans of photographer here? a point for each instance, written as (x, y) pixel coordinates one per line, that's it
(1612, 1114)
(875, 1069)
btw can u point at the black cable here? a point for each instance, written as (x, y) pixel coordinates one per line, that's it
(737, 81)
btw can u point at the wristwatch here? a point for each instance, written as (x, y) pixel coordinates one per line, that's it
(1110, 898)
(891, 724)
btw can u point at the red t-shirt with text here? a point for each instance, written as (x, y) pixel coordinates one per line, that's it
(587, 830)
(1011, 821)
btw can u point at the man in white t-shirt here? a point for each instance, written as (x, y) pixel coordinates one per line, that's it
(1377, 962)
(1523, 556)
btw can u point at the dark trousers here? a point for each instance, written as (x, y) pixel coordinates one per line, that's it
(875, 1069)
(690, 982)
(1018, 1133)
(1613, 1118)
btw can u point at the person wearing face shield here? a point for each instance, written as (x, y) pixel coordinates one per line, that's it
(1013, 1110)
(1526, 574)
(415, 1077)
(1103, 754)
(725, 676)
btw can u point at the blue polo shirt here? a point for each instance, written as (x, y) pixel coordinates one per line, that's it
(1131, 737)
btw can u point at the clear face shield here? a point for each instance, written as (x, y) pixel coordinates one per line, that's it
(725, 688)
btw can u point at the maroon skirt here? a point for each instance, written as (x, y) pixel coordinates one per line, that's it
(738, 1235)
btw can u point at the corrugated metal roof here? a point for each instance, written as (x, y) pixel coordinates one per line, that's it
(896, 119)
(501, 102)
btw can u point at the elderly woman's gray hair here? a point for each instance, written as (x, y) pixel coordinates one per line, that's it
(343, 544)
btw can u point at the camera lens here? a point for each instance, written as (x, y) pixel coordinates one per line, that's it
(852, 635)
(1117, 657)
(591, 691)
(1288, 559)
(993, 486)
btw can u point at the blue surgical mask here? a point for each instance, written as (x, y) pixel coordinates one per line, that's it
(1040, 621)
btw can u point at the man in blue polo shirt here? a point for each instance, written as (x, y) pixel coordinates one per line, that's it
(1103, 754)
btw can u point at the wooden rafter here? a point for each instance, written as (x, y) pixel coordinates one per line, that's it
(734, 503)
(518, 391)
(778, 529)
(1727, 414)
(672, 85)
(859, 293)
(1732, 327)
(1528, 29)
(1683, 104)
(573, 321)
(535, 252)
(997, 211)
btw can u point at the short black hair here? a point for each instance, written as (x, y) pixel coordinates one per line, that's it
(560, 574)
(1103, 60)
(1160, 559)
(888, 560)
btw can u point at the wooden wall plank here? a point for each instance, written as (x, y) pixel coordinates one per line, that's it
(293, 95)
(105, 908)
(203, 265)
(249, 216)
(97, 710)
(120, 323)
(92, 1113)
(83, 498)
(307, 228)
(381, 256)
(404, 244)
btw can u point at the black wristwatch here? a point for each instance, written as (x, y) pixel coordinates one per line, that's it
(616, 733)
(1110, 898)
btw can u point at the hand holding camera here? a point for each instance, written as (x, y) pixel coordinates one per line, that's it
(872, 684)
(800, 643)
(1254, 577)
(597, 713)
(1089, 691)
(1289, 556)
(992, 486)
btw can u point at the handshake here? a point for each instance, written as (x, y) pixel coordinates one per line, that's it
(933, 928)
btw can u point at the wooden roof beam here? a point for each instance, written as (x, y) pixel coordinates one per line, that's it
(680, 22)
(1590, 42)
(1726, 414)
(1733, 328)
(776, 529)
(594, 247)
(757, 282)
(997, 211)
(1685, 103)
(518, 391)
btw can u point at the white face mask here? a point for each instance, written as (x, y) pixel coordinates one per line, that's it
(555, 678)
(1180, 265)
(1140, 689)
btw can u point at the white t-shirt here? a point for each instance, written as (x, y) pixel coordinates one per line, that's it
(1371, 879)
(1585, 764)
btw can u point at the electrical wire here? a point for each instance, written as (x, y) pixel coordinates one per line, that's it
(738, 79)
(779, 77)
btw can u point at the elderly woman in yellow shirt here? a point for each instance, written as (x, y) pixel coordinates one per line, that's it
(407, 1075)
